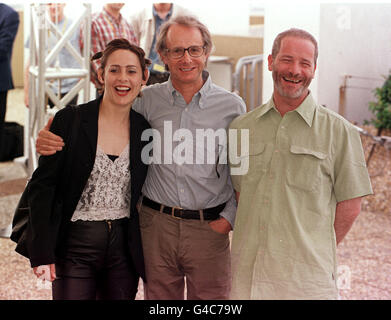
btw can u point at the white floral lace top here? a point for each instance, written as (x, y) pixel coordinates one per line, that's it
(106, 195)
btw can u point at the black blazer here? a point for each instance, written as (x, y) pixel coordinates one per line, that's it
(47, 245)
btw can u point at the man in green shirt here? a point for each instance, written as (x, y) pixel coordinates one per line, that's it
(303, 187)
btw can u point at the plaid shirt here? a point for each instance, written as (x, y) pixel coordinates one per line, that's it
(105, 28)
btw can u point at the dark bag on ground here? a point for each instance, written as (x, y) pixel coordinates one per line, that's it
(12, 141)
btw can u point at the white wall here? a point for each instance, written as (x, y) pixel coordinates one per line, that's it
(355, 40)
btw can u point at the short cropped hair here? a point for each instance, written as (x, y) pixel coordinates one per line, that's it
(294, 32)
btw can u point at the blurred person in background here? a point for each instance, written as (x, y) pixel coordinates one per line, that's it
(9, 23)
(63, 60)
(107, 25)
(146, 24)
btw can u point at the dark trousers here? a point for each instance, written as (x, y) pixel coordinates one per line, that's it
(184, 250)
(3, 109)
(96, 264)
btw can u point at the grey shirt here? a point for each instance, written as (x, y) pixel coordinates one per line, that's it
(199, 182)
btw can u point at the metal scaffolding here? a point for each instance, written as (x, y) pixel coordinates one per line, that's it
(41, 72)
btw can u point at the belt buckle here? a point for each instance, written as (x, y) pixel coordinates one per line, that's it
(173, 210)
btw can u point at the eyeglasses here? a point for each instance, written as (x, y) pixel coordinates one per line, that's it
(179, 52)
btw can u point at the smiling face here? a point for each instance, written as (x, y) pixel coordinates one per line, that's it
(293, 68)
(187, 70)
(123, 78)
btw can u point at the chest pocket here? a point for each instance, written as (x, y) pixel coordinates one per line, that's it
(253, 159)
(304, 168)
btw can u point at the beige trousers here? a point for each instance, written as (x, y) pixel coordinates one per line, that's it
(179, 249)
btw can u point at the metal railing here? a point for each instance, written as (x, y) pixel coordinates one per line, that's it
(248, 73)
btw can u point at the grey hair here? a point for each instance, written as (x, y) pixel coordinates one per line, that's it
(187, 21)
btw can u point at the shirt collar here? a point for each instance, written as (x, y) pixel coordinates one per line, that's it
(306, 109)
(200, 95)
(265, 108)
(155, 14)
(111, 17)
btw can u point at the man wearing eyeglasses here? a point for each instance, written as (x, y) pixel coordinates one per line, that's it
(190, 243)
(188, 209)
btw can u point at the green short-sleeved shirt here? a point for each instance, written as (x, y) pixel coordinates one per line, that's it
(300, 166)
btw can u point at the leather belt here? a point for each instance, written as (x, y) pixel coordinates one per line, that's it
(180, 213)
